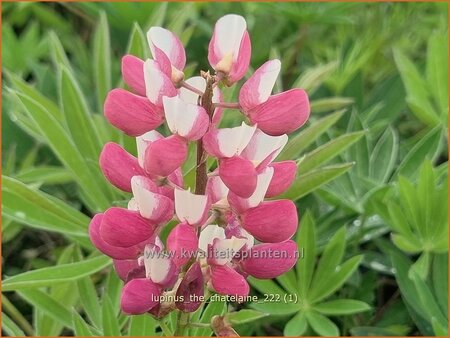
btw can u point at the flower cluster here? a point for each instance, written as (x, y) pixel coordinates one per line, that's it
(226, 230)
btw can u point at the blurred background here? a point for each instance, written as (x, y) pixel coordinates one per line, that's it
(372, 177)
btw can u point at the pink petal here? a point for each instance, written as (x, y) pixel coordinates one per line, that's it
(157, 83)
(142, 143)
(164, 156)
(124, 267)
(272, 221)
(185, 119)
(190, 290)
(133, 114)
(270, 260)
(239, 175)
(283, 175)
(133, 74)
(258, 87)
(240, 204)
(118, 166)
(263, 148)
(112, 251)
(182, 242)
(228, 142)
(139, 296)
(216, 189)
(240, 67)
(158, 208)
(282, 113)
(226, 281)
(125, 228)
(169, 44)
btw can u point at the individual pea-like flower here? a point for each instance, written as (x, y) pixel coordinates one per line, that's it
(229, 226)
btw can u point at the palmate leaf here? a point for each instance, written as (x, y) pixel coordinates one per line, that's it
(64, 148)
(307, 136)
(10, 327)
(310, 181)
(384, 156)
(244, 316)
(45, 175)
(321, 324)
(212, 309)
(109, 320)
(142, 325)
(296, 326)
(341, 307)
(102, 60)
(81, 328)
(55, 274)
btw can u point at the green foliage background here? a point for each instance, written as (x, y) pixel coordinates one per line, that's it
(372, 181)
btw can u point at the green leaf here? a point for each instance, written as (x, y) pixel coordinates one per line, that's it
(427, 299)
(58, 54)
(244, 316)
(384, 156)
(77, 116)
(327, 151)
(437, 69)
(109, 320)
(102, 60)
(321, 324)
(211, 310)
(47, 305)
(137, 43)
(25, 88)
(341, 307)
(306, 242)
(308, 182)
(330, 104)
(64, 148)
(330, 259)
(307, 136)
(89, 300)
(416, 89)
(438, 328)
(142, 325)
(426, 147)
(45, 175)
(11, 328)
(81, 328)
(312, 78)
(55, 274)
(440, 280)
(296, 326)
(42, 211)
(335, 279)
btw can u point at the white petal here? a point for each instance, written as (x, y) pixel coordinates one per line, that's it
(189, 96)
(154, 80)
(262, 145)
(157, 264)
(180, 115)
(208, 235)
(225, 249)
(262, 185)
(188, 206)
(232, 141)
(132, 205)
(146, 200)
(268, 79)
(161, 38)
(229, 31)
(143, 141)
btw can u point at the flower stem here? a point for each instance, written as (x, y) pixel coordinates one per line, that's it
(182, 323)
(191, 88)
(165, 329)
(231, 105)
(201, 171)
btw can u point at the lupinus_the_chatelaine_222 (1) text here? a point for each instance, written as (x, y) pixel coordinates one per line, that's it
(231, 226)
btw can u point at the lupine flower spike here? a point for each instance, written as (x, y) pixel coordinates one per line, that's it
(224, 229)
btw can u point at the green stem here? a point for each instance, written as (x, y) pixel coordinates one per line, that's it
(182, 323)
(165, 329)
(15, 315)
(202, 325)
